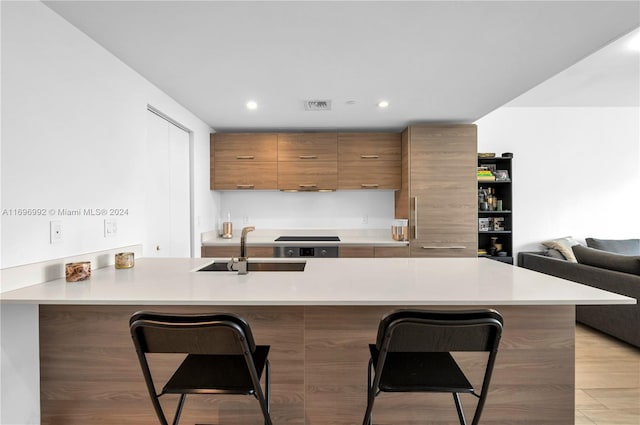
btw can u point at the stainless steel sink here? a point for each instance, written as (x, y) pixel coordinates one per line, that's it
(258, 266)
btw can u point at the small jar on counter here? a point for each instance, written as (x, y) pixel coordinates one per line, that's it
(124, 260)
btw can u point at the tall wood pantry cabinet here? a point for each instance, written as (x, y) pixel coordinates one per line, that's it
(439, 190)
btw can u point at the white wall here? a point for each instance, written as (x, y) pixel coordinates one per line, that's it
(73, 136)
(576, 171)
(348, 209)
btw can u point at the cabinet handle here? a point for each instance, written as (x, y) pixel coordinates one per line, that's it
(415, 217)
(308, 157)
(245, 157)
(245, 186)
(444, 247)
(370, 185)
(307, 186)
(369, 156)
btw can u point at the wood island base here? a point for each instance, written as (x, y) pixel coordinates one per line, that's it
(319, 354)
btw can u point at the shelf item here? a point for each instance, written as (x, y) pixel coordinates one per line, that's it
(495, 208)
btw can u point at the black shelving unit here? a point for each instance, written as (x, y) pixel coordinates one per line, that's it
(503, 192)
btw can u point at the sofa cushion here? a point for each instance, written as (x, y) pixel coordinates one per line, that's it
(554, 253)
(618, 246)
(564, 246)
(607, 260)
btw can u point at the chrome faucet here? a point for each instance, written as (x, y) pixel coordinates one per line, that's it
(242, 260)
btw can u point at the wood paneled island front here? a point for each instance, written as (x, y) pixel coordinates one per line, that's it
(318, 323)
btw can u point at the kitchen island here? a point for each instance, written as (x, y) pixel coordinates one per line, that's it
(318, 323)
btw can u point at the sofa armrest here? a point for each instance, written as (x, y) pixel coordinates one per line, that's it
(620, 321)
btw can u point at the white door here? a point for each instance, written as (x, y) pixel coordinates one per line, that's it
(168, 211)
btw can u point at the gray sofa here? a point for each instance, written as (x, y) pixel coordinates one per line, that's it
(620, 321)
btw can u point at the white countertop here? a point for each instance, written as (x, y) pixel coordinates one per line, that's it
(267, 237)
(334, 281)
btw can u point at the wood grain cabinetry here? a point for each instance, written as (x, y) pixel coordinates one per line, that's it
(305, 161)
(369, 161)
(370, 251)
(234, 251)
(439, 191)
(365, 251)
(244, 161)
(308, 161)
(391, 252)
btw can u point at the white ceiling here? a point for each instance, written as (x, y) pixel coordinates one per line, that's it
(447, 61)
(609, 77)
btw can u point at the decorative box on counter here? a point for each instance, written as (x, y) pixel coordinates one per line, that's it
(75, 272)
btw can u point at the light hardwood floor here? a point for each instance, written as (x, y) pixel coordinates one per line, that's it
(607, 380)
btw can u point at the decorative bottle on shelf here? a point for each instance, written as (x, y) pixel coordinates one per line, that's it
(494, 249)
(491, 199)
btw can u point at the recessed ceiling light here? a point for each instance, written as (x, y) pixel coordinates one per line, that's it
(383, 104)
(252, 104)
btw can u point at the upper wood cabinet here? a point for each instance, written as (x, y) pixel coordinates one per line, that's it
(305, 161)
(369, 161)
(241, 161)
(308, 161)
(369, 147)
(439, 190)
(310, 176)
(307, 147)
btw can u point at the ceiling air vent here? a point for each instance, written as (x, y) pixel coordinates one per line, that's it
(317, 105)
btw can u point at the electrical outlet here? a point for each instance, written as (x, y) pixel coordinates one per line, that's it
(365, 219)
(55, 231)
(110, 227)
(245, 220)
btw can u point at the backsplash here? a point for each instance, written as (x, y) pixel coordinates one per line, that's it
(346, 209)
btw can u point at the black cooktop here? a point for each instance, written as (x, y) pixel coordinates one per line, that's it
(308, 239)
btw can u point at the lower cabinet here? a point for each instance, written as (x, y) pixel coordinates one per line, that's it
(356, 251)
(370, 251)
(234, 251)
(391, 252)
(361, 251)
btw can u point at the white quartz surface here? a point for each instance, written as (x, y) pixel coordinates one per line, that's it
(335, 281)
(267, 237)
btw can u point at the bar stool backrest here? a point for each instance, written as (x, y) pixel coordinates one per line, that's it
(193, 334)
(439, 331)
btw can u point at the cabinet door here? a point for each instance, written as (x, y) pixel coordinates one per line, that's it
(221, 251)
(442, 162)
(356, 251)
(369, 161)
(313, 175)
(245, 176)
(391, 252)
(308, 147)
(245, 147)
(241, 161)
(369, 175)
(369, 147)
(234, 251)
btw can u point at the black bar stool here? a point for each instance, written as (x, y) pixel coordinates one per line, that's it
(412, 354)
(222, 357)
